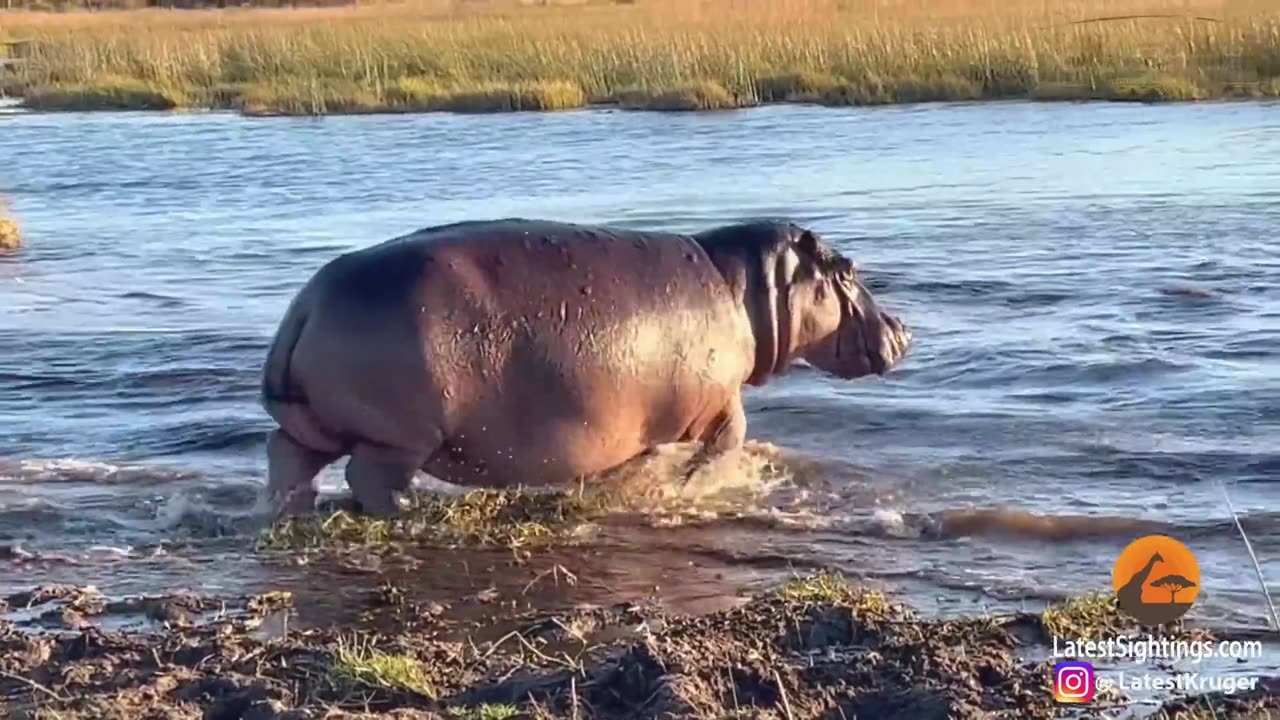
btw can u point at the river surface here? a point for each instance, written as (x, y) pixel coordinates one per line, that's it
(1092, 288)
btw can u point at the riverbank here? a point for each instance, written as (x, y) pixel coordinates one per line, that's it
(640, 56)
(816, 647)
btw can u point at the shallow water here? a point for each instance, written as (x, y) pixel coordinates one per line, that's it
(1092, 290)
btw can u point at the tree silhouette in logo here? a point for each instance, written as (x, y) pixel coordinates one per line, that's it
(1175, 571)
(1173, 583)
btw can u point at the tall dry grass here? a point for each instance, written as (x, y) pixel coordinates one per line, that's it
(657, 54)
(10, 235)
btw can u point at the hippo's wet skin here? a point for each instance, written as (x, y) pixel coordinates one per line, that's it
(496, 353)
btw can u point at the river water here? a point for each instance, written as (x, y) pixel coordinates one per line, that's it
(1092, 288)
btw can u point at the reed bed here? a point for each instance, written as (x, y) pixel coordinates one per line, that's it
(434, 55)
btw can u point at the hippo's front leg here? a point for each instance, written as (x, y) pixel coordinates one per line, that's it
(376, 474)
(728, 432)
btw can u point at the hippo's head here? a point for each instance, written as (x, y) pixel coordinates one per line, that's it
(805, 300)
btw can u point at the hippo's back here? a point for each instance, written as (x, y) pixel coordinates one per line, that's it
(598, 297)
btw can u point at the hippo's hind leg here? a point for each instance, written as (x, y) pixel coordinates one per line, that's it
(291, 472)
(376, 473)
(728, 432)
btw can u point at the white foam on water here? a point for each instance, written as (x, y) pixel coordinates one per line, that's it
(729, 483)
(891, 523)
(107, 553)
(59, 468)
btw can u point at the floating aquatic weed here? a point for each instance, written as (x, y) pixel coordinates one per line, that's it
(1092, 615)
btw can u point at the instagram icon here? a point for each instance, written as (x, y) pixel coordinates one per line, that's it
(1073, 682)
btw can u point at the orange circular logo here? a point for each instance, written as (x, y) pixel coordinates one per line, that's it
(1156, 579)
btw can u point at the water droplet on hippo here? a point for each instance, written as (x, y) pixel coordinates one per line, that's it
(586, 290)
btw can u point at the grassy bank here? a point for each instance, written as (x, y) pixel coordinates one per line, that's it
(655, 54)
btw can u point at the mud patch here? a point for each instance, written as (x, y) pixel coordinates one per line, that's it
(816, 647)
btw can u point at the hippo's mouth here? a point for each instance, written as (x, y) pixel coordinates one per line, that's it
(879, 364)
(876, 361)
(894, 341)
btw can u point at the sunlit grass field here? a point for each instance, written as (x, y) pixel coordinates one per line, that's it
(476, 56)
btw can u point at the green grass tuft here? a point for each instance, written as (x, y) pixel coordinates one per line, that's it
(487, 711)
(357, 663)
(828, 588)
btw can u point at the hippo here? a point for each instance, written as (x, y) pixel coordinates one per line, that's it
(514, 351)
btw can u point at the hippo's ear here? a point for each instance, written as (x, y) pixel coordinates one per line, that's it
(843, 266)
(808, 244)
(824, 260)
(814, 254)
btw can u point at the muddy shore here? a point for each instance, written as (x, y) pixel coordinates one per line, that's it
(813, 648)
(816, 646)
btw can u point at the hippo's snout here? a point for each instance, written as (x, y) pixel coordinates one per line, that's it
(895, 339)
